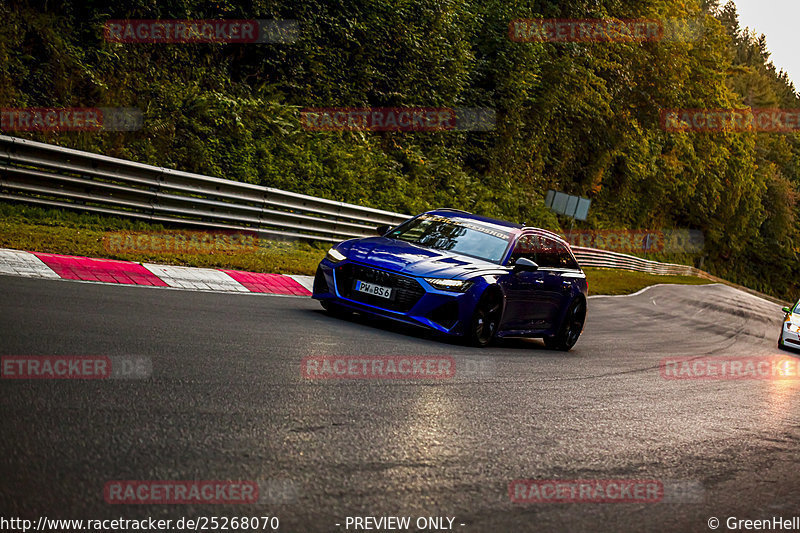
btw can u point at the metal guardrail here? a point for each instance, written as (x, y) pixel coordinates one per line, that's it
(592, 257)
(52, 176)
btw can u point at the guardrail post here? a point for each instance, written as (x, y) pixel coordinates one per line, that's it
(264, 206)
(336, 219)
(8, 144)
(158, 189)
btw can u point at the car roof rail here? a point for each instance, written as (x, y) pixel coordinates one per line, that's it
(542, 230)
(451, 209)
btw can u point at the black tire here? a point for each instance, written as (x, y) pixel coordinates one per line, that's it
(570, 330)
(486, 319)
(781, 345)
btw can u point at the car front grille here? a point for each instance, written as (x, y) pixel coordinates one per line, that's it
(406, 291)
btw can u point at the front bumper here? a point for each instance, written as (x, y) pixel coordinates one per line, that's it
(789, 338)
(414, 300)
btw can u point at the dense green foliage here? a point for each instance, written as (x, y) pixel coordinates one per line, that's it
(577, 117)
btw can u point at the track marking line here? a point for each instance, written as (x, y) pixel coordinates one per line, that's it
(25, 264)
(195, 278)
(305, 281)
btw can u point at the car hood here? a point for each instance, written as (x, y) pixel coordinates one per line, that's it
(407, 258)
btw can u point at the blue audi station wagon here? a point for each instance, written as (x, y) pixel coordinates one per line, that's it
(461, 275)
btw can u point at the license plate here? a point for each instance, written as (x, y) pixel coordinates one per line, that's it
(375, 290)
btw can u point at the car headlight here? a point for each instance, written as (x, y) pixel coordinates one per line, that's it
(794, 328)
(334, 256)
(455, 285)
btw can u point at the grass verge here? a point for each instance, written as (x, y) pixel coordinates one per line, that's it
(612, 281)
(63, 232)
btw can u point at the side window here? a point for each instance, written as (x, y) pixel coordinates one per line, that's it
(553, 254)
(545, 252)
(548, 253)
(526, 247)
(565, 259)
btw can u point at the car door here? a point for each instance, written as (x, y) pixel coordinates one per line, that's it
(561, 281)
(525, 299)
(551, 291)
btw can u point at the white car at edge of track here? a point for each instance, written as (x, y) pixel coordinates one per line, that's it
(790, 331)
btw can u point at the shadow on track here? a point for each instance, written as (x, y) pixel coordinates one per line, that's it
(533, 347)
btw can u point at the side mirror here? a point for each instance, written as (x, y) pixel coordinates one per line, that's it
(383, 230)
(525, 265)
(786, 310)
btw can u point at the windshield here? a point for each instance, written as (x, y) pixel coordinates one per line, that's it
(461, 236)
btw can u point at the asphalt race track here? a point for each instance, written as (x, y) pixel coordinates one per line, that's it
(227, 401)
